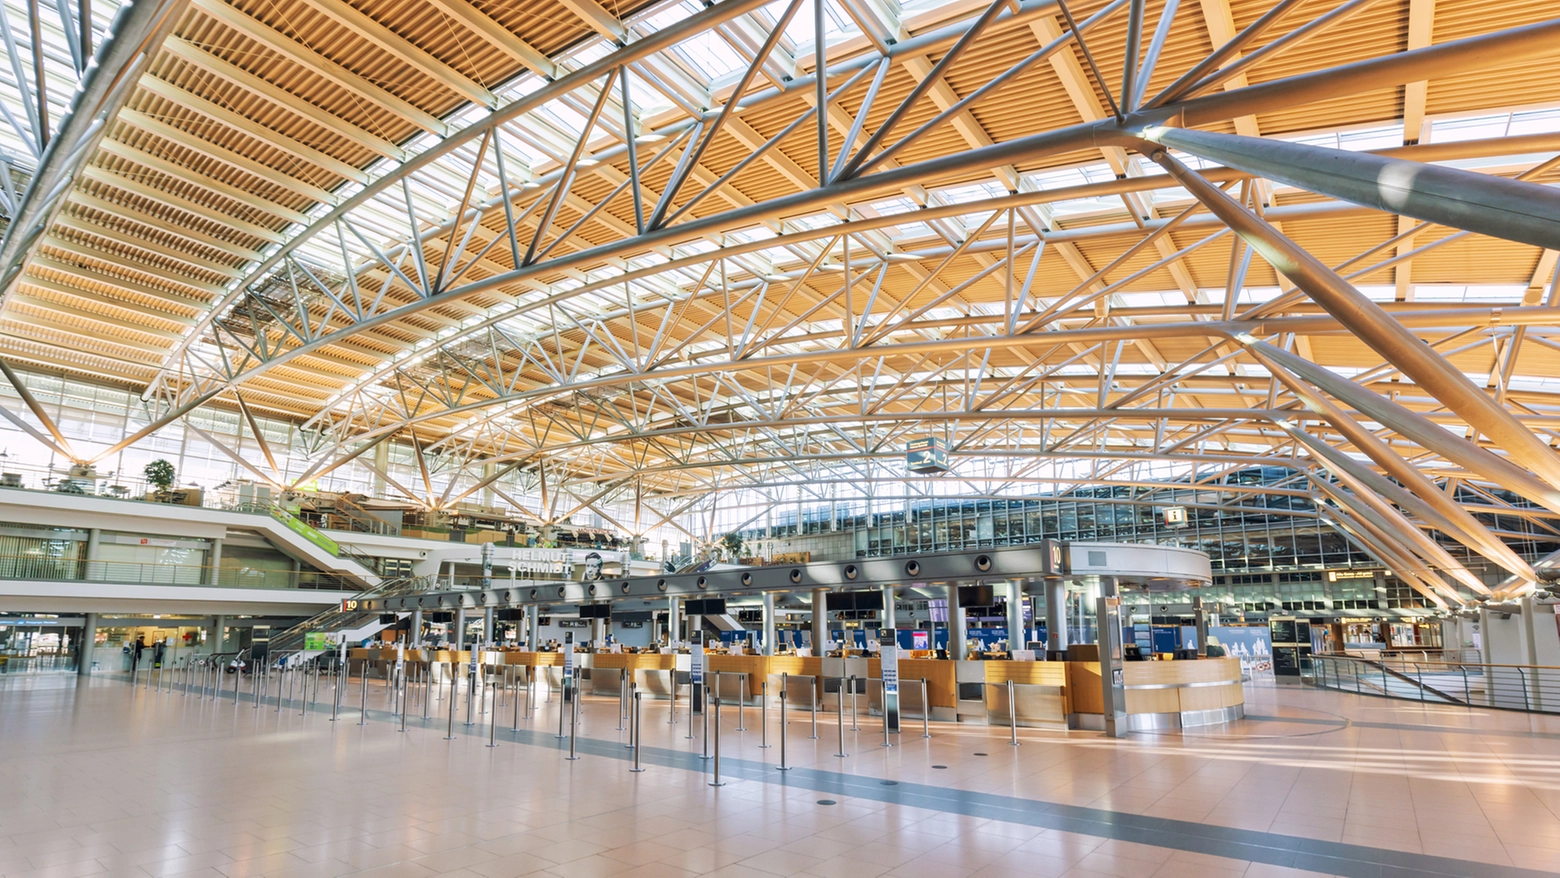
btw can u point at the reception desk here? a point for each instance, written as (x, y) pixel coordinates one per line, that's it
(1160, 695)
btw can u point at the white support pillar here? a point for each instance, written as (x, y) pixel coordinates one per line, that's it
(1015, 615)
(487, 627)
(219, 635)
(674, 632)
(889, 620)
(532, 616)
(84, 649)
(1055, 615)
(214, 564)
(820, 620)
(955, 624)
(381, 464)
(417, 626)
(94, 540)
(769, 623)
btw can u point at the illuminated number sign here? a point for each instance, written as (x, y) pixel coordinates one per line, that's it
(350, 605)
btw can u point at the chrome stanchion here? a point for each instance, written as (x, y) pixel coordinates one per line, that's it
(493, 722)
(671, 718)
(816, 685)
(405, 687)
(622, 697)
(783, 680)
(516, 697)
(450, 736)
(886, 741)
(363, 691)
(254, 685)
(633, 710)
(741, 702)
(563, 708)
(706, 716)
(853, 724)
(471, 691)
(926, 712)
(840, 724)
(530, 684)
(318, 670)
(763, 715)
(635, 725)
(717, 781)
(1012, 715)
(303, 692)
(574, 724)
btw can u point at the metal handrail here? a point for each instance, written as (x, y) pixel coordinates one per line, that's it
(1528, 688)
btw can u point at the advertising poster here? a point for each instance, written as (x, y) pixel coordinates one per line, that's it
(1253, 646)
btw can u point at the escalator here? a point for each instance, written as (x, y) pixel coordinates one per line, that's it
(346, 619)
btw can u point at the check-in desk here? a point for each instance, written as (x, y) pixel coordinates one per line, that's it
(1160, 695)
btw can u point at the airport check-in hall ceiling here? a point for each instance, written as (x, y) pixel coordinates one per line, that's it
(1108, 243)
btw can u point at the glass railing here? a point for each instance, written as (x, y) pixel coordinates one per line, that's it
(29, 567)
(1530, 688)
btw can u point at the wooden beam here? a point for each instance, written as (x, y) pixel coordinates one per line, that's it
(192, 53)
(413, 55)
(600, 20)
(298, 53)
(216, 112)
(265, 173)
(233, 193)
(479, 23)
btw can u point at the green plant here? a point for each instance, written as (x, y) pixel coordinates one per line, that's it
(733, 545)
(160, 474)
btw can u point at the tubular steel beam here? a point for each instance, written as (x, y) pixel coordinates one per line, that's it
(134, 37)
(1374, 326)
(1417, 428)
(1483, 203)
(1418, 493)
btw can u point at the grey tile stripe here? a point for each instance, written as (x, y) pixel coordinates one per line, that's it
(1333, 858)
(1342, 723)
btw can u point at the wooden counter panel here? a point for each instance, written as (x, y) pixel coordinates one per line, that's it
(1083, 688)
(1200, 671)
(941, 689)
(1212, 697)
(1153, 700)
(1031, 673)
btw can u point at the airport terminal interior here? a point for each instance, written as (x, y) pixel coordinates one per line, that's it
(753, 438)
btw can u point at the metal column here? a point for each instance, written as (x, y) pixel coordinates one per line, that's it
(84, 651)
(769, 623)
(1200, 615)
(674, 632)
(458, 635)
(487, 625)
(532, 615)
(1015, 615)
(820, 620)
(1055, 615)
(417, 623)
(1112, 674)
(213, 563)
(889, 621)
(94, 537)
(955, 624)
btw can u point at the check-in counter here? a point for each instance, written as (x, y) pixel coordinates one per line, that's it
(1161, 695)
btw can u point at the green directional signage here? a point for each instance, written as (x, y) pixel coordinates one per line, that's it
(297, 526)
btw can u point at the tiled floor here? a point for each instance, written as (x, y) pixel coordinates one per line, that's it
(101, 780)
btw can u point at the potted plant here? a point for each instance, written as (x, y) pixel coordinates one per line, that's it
(734, 545)
(160, 474)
